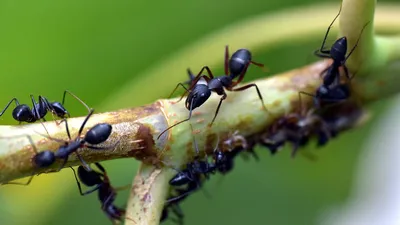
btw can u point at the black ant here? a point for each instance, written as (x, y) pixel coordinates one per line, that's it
(199, 92)
(40, 160)
(96, 135)
(191, 175)
(331, 89)
(23, 113)
(106, 193)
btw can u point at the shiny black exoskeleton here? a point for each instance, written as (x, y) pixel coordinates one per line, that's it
(96, 135)
(192, 175)
(106, 193)
(23, 113)
(332, 90)
(40, 160)
(201, 85)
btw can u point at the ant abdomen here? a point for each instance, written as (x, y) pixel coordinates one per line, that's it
(44, 159)
(23, 113)
(98, 133)
(89, 178)
(239, 61)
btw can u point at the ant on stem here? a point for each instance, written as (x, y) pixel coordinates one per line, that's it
(201, 85)
(96, 135)
(106, 192)
(332, 90)
(23, 113)
(191, 175)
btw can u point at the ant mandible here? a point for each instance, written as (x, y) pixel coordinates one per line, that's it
(23, 113)
(106, 192)
(331, 89)
(199, 92)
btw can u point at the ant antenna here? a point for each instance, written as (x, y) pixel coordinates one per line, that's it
(329, 28)
(359, 37)
(76, 97)
(190, 116)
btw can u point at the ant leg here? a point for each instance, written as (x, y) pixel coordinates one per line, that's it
(85, 121)
(307, 94)
(219, 105)
(208, 71)
(354, 47)
(84, 164)
(176, 209)
(196, 147)
(226, 67)
(35, 108)
(123, 187)
(100, 167)
(79, 185)
(76, 97)
(325, 54)
(327, 32)
(186, 90)
(63, 164)
(19, 183)
(257, 64)
(8, 105)
(190, 116)
(258, 91)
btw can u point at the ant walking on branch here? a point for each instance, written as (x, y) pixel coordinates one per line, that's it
(106, 192)
(201, 85)
(332, 90)
(23, 113)
(96, 135)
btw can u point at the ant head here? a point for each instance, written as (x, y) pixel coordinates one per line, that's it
(98, 134)
(22, 113)
(44, 159)
(239, 61)
(339, 49)
(197, 96)
(59, 109)
(89, 178)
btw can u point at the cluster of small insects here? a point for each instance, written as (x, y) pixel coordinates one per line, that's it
(297, 128)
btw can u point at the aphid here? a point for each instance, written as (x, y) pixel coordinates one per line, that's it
(297, 129)
(199, 92)
(331, 89)
(96, 135)
(106, 193)
(23, 113)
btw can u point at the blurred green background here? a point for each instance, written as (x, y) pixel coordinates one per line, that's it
(93, 48)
